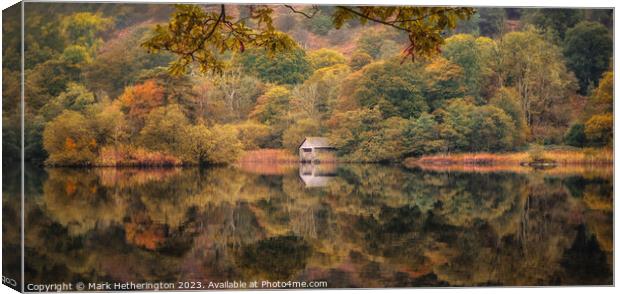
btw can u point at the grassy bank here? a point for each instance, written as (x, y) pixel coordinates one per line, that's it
(268, 161)
(538, 157)
(268, 156)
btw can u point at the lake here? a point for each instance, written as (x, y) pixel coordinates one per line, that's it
(349, 225)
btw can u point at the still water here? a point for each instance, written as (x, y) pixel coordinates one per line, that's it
(349, 225)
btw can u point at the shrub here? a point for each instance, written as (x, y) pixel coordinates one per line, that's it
(70, 140)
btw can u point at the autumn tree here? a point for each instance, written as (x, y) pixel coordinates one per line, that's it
(604, 93)
(272, 109)
(325, 58)
(216, 145)
(600, 100)
(254, 135)
(230, 96)
(298, 130)
(359, 59)
(535, 68)
(443, 80)
(472, 55)
(120, 61)
(84, 28)
(322, 89)
(351, 129)
(70, 140)
(111, 126)
(599, 129)
(139, 100)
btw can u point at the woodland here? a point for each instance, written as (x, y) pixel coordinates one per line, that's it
(154, 85)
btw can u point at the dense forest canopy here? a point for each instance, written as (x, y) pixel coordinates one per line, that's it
(116, 84)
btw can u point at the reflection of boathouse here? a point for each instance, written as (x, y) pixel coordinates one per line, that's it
(316, 149)
(316, 175)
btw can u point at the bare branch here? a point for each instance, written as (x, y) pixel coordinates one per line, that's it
(391, 24)
(315, 10)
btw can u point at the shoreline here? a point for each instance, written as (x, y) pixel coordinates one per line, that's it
(529, 159)
(538, 159)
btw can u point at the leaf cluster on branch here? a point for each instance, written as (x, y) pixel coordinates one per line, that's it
(203, 35)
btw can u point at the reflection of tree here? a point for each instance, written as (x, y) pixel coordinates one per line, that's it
(11, 216)
(584, 261)
(371, 226)
(276, 258)
(77, 200)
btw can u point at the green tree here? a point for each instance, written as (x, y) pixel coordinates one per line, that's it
(494, 130)
(421, 136)
(457, 125)
(471, 55)
(556, 20)
(507, 99)
(291, 67)
(443, 80)
(163, 129)
(226, 97)
(396, 88)
(272, 106)
(385, 144)
(350, 129)
(492, 21)
(76, 98)
(70, 140)
(588, 47)
(48, 80)
(576, 136)
(467, 127)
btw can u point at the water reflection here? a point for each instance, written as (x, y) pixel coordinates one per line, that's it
(317, 175)
(358, 226)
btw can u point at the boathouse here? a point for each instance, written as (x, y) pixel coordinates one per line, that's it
(316, 149)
